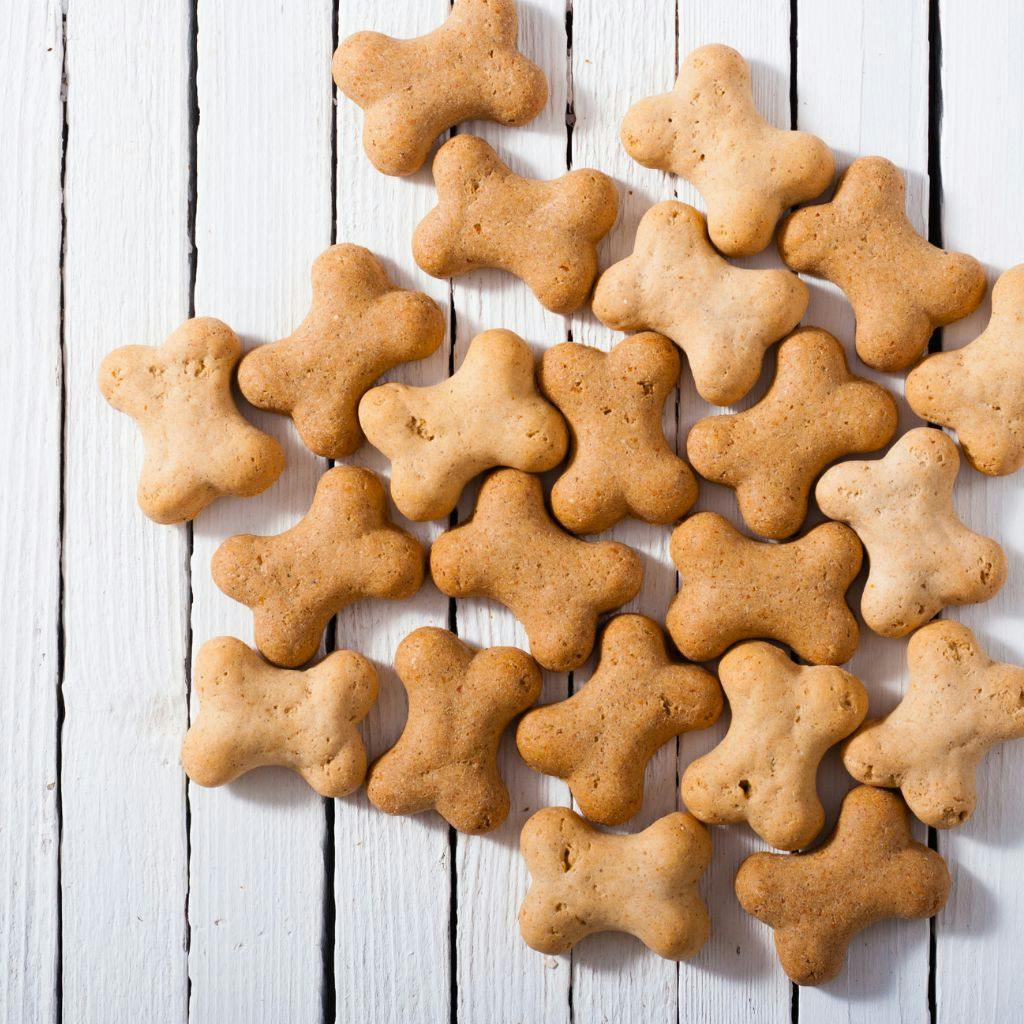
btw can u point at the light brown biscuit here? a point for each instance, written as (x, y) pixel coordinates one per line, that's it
(621, 464)
(958, 705)
(869, 869)
(723, 317)
(413, 90)
(252, 714)
(978, 390)
(708, 131)
(344, 549)
(460, 701)
(602, 737)
(734, 588)
(815, 412)
(584, 881)
(358, 327)
(784, 718)
(543, 232)
(901, 287)
(198, 446)
(556, 585)
(489, 413)
(921, 556)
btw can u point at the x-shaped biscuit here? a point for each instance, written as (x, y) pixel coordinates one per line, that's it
(921, 555)
(358, 327)
(460, 701)
(901, 287)
(412, 90)
(486, 414)
(198, 446)
(708, 131)
(784, 718)
(958, 705)
(869, 868)
(343, 550)
(252, 714)
(543, 232)
(584, 881)
(555, 584)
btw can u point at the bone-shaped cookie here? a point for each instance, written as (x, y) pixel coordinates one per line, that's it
(487, 414)
(584, 881)
(815, 412)
(198, 446)
(901, 287)
(921, 555)
(343, 550)
(723, 317)
(460, 701)
(784, 718)
(733, 588)
(413, 90)
(543, 232)
(708, 131)
(621, 463)
(602, 737)
(556, 585)
(253, 714)
(958, 705)
(358, 327)
(869, 869)
(978, 390)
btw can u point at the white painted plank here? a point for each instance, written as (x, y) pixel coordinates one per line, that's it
(127, 281)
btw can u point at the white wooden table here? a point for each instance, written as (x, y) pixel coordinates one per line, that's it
(160, 158)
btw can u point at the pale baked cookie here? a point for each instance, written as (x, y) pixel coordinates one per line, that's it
(198, 446)
(708, 131)
(815, 412)
(723, 317)
(543, 232)
(621, 464)
(489, 413)
(869, 868)
(556, 585)
(921, 556)
(584, 881)
(784, 718)
(358, 327)
(602, 737)
(901, 287)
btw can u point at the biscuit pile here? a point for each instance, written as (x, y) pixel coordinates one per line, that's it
(601, 414)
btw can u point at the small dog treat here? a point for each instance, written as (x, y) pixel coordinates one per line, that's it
(815, 412)
(556, 585)
(602, 737)
(921, 556)
(784, 717)
(901, 287)
(723, 317)
(358, 327)
(584, 881)
(344, 549)
(869, 869)
(487, 414)
(978, 390)
(708, 131)
(734, 588)
(958, 705)
(460, 701)
(198, 445)
(413, 90)
(252, 714)
(621, 463)
(543, 232)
